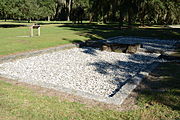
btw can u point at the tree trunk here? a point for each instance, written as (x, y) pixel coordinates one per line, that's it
(90, 18)
(121, 20)
(104, 20)
(113, 14)
(29, 20)
(49, 18)
(5, 19)
(69, 10)
(142, 19)
(58, 8)
(129, 19)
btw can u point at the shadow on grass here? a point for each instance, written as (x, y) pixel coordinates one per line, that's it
(10, 26)
(137, 61)
(59, 22)
(162, 87)
(95, 31)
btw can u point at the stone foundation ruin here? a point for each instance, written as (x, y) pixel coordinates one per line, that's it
(114, 47)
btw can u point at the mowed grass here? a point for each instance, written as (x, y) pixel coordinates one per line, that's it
(20, 103)
(15, 38)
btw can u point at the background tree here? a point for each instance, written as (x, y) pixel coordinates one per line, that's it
(47, 8)
(122, 11)
(5, 8)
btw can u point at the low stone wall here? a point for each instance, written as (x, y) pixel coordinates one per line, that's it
(122, 48)
(114, 47)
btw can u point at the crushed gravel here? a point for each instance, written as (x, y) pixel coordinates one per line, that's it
(83, 69)
(86, 70)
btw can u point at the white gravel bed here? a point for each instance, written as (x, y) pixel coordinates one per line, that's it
(87, 70)
(148, 43)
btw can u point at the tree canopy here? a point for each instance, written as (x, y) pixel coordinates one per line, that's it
(122, 11)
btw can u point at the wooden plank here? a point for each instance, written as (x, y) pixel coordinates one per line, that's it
(39, 31)
(31, 31)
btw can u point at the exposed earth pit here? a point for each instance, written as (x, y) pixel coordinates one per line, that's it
(100, 75)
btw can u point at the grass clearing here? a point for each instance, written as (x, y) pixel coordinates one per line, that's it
(12, 40)
(14, 36)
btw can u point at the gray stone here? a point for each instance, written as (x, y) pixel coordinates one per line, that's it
(133, 48)
(117, 47)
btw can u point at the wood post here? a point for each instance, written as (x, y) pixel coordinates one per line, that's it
(35, 27)
(31, 31)
(39, 31)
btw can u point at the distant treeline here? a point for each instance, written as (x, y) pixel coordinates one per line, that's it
(122, 11)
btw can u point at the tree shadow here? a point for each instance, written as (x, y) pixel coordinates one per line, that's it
(163, 86)
(78, 43)
(96, 31)
(164, 91)
(103, 67)
(89, 51)
(51, 23)
(128, 68)
(170, 58)
(10, 26)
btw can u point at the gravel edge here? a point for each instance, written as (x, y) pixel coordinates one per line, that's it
(117, 99)
(9, 58)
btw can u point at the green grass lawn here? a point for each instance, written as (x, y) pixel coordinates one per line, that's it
(20, 103)
(14, 40)
(13, 36)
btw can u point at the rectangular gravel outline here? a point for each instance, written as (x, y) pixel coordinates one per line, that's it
(117, 99)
